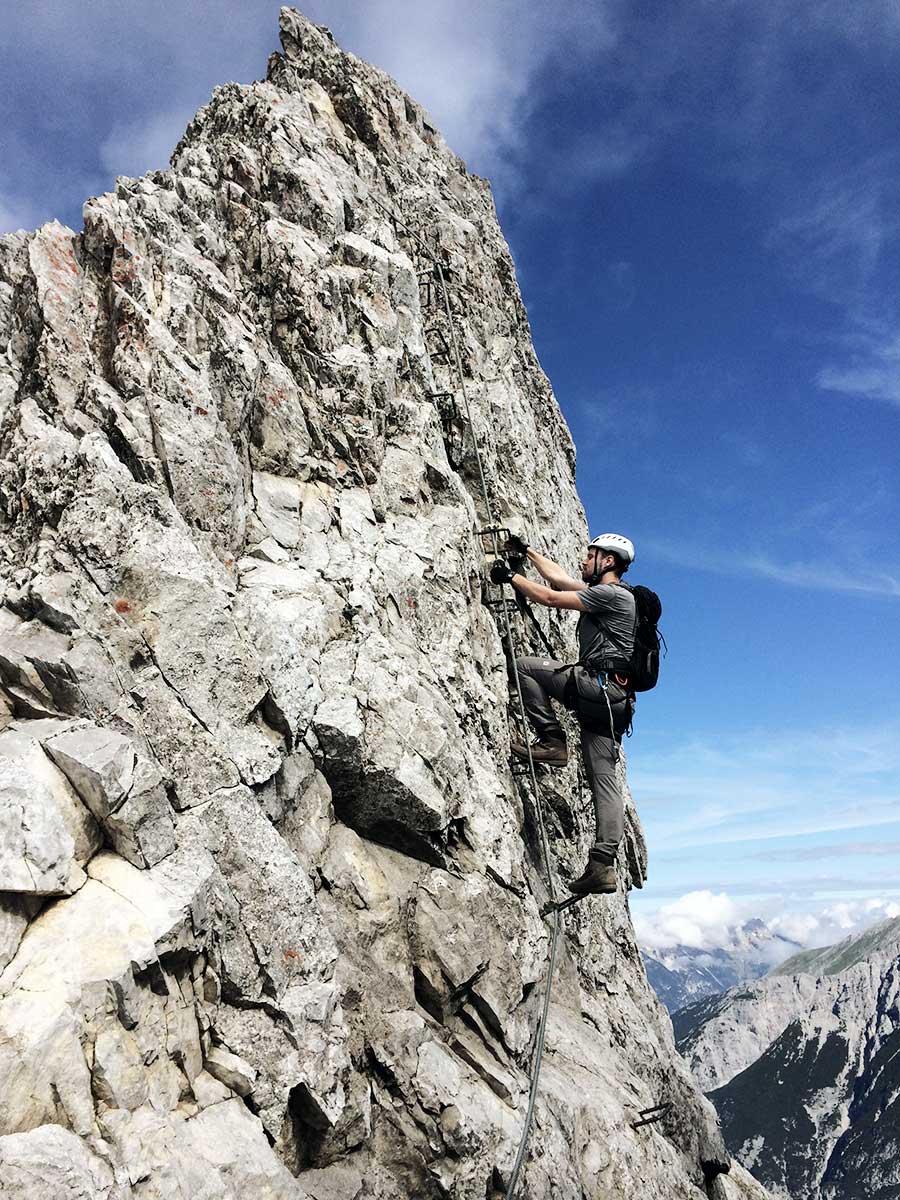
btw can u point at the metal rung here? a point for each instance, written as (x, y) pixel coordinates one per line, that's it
(434, 397)
(452, 423)
(563, 905)
(426, 286)
(493, 536)
(496, 598)
(443, 350)
(500, 603)
(649, 1115)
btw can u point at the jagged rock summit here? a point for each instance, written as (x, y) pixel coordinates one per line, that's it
(269, 921)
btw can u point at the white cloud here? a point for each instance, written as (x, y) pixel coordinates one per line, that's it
(835, 237)
(701, 919)
(623, 283)
(477, 67)
(706, 920)
(842, 850)
(832, 924)
(837, 242)
(874, 374)
(821, 576)
(480, 68)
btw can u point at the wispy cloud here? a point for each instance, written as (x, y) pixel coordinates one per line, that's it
(874, 375)
(482, 69)
(623, 283)
(835, 237)
(130, 77)
(17, 213)
(757, 785)
(478, 67)
(838, 242)
(821, 576)
(766, 894)
(844, 850)
(135, 147)
(857, 576)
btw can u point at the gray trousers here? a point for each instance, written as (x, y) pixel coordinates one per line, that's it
(546, 679)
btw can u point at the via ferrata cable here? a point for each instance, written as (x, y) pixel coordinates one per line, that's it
(541, 1031)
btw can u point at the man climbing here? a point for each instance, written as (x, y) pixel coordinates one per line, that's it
(596, 687)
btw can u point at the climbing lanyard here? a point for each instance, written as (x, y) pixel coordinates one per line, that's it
(541, 1031)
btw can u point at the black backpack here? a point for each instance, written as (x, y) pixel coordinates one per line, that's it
(643, 670)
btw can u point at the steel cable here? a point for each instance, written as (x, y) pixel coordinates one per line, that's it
(541, 1031)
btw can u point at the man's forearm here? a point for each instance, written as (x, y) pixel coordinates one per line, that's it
(553, 573)
(529, 588)
(547, 567)
(549, 597)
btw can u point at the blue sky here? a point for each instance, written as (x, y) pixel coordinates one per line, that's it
(702, 201)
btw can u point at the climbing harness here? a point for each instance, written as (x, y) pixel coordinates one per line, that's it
(492, 530)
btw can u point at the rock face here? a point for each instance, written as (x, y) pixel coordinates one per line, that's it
(270, 923)
(681, 975)
(804, 1069)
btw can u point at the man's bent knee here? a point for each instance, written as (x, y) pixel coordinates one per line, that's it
(529, 664)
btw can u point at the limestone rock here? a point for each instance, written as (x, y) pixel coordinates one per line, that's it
(231, 1070)
(48, 836)
(51, 1163)
(123, 790)
(244, 632)
(15, 913)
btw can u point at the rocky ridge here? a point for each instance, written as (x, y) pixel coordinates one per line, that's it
(883, 936)
(268, 892)
(804, 1069)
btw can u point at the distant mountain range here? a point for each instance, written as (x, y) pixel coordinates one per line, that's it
(683, 974)
(803, 1066)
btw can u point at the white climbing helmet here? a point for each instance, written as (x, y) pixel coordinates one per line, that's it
(614, 543)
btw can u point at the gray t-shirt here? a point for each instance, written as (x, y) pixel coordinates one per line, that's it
(610, 609)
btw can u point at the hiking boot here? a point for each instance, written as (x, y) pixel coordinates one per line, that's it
(549, 750)
(599, 877)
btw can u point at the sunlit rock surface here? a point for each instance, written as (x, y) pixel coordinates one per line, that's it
(270, 914)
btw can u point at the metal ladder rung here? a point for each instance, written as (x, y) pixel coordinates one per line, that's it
(443, 350)
(498, 534)
(650, 1115)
